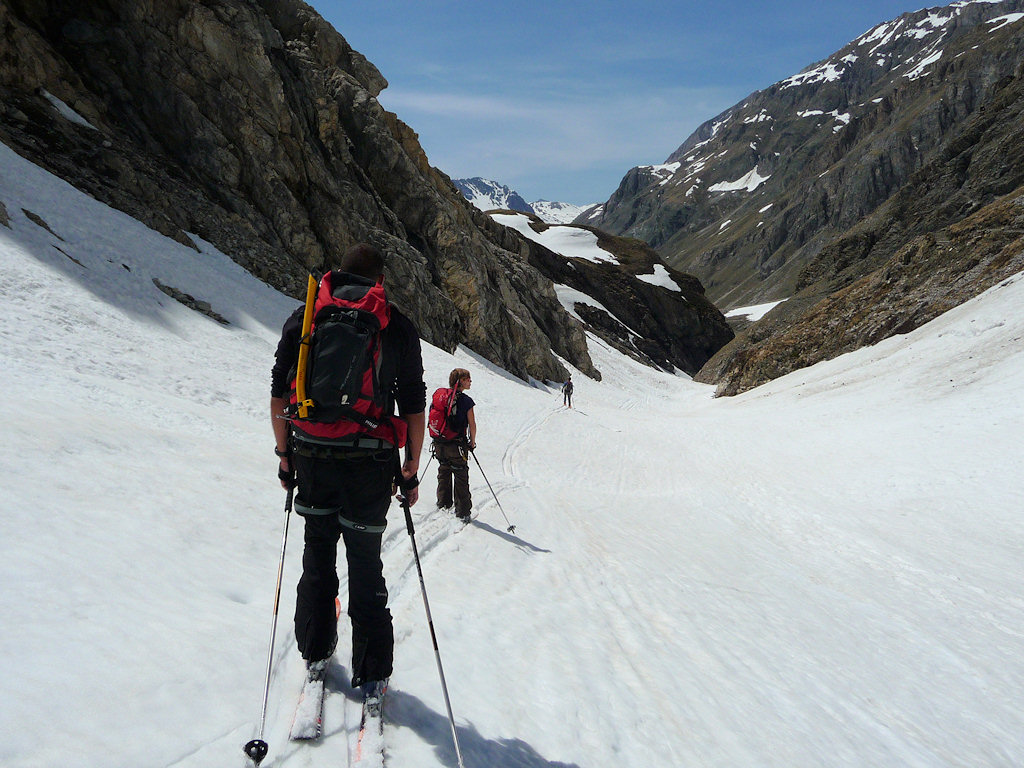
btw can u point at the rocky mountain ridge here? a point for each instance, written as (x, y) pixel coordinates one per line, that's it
(254, 125)
(755, 192)
(807, 187)
(623, 293)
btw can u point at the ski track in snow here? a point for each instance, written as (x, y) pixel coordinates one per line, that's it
(519, 439)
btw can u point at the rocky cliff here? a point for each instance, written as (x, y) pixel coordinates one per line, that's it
(929, 275)
(816, 183)
(254, 125)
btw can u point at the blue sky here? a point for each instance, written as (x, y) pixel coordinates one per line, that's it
(558, 100)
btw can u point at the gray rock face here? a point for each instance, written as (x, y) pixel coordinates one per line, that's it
(928, 276)
(254, 125)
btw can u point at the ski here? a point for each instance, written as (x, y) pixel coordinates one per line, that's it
(370, 741)
(309, 712)
(308, 720)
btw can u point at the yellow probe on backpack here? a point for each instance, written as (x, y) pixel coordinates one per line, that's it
(303, 402)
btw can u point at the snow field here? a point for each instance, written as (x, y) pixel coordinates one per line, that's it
(823, 571)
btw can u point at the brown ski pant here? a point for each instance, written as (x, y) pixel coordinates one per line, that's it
(453, 477)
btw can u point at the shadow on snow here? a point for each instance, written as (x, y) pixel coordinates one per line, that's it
(512, 539)
(407, 711)
(403, 710)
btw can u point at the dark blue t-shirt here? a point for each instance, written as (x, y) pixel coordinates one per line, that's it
(460, 414)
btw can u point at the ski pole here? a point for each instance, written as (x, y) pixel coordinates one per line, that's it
(430, 622)
(511, 528)
(256, 749)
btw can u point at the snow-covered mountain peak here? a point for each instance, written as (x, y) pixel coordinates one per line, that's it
(558, 213)
(488, 195)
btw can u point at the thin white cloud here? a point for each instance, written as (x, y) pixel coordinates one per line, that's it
(518, 135)
(553, 88)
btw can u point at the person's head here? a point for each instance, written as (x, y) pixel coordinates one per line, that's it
(363, 260)
(459, 377)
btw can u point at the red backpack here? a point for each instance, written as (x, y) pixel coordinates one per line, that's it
(442, 408)
(344, 363)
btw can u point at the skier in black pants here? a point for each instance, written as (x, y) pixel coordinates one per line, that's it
(567, 393)
(344, 485)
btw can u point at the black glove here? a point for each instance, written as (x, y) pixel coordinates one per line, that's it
(286, 476)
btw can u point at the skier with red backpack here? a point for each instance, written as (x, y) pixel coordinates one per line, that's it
(452, 426)
(340, 423)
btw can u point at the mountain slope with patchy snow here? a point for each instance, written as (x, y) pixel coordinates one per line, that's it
(752, 197)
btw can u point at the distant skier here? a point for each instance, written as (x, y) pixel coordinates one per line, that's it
(567, 392)
(452, 446)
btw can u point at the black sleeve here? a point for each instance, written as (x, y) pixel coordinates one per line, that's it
(287, 354)
(410, 390)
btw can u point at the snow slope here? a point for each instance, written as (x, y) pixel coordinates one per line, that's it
(824, 571)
